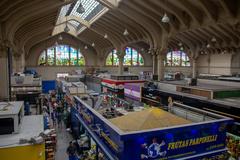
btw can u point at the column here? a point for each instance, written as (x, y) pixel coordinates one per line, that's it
(15, 64)
(194, 68)
(120, 67)
(154, 59)
(161, 69)
(121, 55)
(209, 62)
(4, 93)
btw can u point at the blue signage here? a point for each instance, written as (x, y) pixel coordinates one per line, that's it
(170, 143)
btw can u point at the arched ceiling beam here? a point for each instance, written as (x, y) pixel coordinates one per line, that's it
(23, 16)
(146, 21)
(125, 20)
(121, 27)
(174, 10)
(209, 8)
(114, 29)
(229, 6)
(192, 11)
(135, 21)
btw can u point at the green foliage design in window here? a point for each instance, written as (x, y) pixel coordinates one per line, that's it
(131, 58)
(177, 58)
(42, 59)
(61, 55)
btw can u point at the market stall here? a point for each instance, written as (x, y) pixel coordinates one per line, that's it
(198, 134)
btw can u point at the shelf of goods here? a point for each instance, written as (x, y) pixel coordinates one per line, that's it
(50, 145)
(27, 84)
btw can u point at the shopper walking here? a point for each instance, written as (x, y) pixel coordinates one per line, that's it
(72, 152)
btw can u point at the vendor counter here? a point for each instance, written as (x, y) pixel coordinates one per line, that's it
(12, 149)
(194, 138)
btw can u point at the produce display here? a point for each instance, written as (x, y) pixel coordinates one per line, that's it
(233, 145)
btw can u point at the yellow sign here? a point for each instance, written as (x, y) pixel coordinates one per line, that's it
(191, 142)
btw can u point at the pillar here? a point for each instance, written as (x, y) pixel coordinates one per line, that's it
(209, 62)
(194, 68)
(154, 59)
(121, 55)
(161, 68)
(4, 84)
(120, 67)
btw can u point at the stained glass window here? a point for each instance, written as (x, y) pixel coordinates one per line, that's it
(61, 55)
(51, 56)
(115, 58)
(177, 58)
(185, 60)
(109, 60)
(73, 56)
(81, 60)
(128, 57)
(132, 58)
(42, 58)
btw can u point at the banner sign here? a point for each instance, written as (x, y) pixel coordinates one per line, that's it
(177, 142)
(104, 131)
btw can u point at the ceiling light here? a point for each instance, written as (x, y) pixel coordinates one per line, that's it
(105, 36)
(213, 39)
(208, 46)
(93, 44)
(181, 48)
(60, 38)
(180, 44)
(86, 47)
(80, 9)
(66, 29)
(125, 33)
(165, 18)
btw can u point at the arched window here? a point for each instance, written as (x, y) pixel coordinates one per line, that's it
(177, 58)
(61, 55)
(132, 58)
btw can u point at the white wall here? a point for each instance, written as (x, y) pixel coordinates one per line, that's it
(215, 64)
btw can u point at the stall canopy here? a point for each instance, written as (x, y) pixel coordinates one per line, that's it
(147, 119)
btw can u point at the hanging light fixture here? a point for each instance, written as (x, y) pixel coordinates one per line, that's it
(180, 44)
(208, 45)
(80, 8)
(56, 43)
(165, 18)
(214, 39)
(86, 47)
(60, 38)
(66, 29)
(93, 44)
(105, 36)
(125, 33)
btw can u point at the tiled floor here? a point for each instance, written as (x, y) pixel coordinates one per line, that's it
(63, 139)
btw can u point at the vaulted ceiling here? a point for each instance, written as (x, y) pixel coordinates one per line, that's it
(194, 23)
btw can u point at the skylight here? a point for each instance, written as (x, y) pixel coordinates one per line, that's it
(92, 9)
